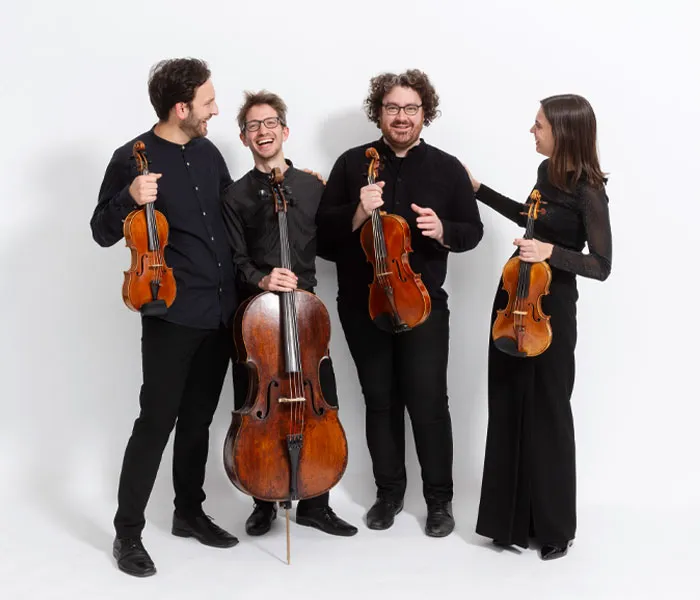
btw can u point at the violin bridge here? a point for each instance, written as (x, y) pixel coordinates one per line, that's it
(520, 312)
(291, 400)
(154, 266)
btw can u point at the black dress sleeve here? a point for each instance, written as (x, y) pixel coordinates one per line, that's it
(508, 208)
(596, 219)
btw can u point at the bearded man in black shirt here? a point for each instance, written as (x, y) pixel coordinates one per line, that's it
(185, 352)
(254, 235)
(406, 371)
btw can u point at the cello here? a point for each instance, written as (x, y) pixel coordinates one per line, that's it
(521, 328)
(398, 298)
(149, 284)
(286, 443)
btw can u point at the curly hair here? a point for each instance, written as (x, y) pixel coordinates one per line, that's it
(175, 80)
(258, 98)
(382, 84)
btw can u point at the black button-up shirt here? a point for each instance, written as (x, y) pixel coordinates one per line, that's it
(189, 196)
(426, 176)
(253, 229)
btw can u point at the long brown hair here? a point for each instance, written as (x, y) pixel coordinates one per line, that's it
(575, 146)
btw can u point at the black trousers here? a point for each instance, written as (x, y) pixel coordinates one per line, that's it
(183, 373)
(407, 371)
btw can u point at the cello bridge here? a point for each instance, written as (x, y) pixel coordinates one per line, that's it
(291, 400)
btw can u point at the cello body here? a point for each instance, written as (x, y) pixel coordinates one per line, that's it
(286, 442)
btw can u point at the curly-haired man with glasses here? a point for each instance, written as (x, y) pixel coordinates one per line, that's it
(406, 371)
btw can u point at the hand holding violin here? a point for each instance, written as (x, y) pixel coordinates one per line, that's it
(144, 188)
(370, 198)
(533, 250)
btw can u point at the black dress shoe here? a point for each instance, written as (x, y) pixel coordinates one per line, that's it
(326, 520)
(203, 529)
(132, 557)
(440, 521)
(260, 520)
(382, 513)
(552, 551)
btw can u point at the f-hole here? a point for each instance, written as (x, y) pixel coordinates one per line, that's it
(268, 399)
(397, 269)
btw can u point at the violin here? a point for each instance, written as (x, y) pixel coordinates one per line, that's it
(286, 443)
(522, 329)
(398, 298)
(149, 284)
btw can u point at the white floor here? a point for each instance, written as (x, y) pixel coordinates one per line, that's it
(55, 547)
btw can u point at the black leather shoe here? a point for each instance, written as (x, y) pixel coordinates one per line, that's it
(552, 551)
(260, 520)
(382, 513)
(204, 530)
(326, 520)
(132, 557)
(440, 521)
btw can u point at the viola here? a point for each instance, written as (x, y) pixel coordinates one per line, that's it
(149, 284)
(398, 298)
(286, 443)
(521, 328)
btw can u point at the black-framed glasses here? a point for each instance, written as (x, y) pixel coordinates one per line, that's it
(394, 109)
(270, 123)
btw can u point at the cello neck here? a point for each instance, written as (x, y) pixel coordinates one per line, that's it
(290, 329)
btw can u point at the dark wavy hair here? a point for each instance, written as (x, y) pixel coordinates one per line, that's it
(175, 80)
(382, 84)
(575, 145)
(251, 99)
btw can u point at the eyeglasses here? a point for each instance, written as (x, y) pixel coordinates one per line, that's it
(270, 123)
(394, 109)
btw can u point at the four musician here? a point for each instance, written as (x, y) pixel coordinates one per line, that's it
(529, 483)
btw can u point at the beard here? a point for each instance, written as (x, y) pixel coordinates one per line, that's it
(194, 127)
(401, 138)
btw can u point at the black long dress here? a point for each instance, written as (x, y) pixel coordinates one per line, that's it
(529, 481)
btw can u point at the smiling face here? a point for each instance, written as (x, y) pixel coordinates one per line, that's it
(202, 108)
(544, 137)
(266, 142)
(401, 131)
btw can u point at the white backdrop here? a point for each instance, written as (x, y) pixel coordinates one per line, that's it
(75, 89)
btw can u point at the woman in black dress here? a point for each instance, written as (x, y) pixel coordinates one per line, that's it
(529, 481)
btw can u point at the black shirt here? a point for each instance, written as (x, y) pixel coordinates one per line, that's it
(569, 221)
(427, 177)
(189, 195)
(253, 229)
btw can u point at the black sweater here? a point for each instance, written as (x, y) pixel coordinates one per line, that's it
(427, 177)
